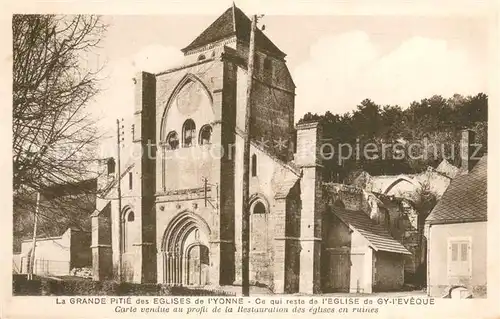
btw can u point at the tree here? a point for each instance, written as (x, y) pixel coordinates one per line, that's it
(431, 127)
(54, 138)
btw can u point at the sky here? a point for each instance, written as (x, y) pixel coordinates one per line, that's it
(336, 61)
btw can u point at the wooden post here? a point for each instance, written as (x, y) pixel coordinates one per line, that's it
(245, 220)
(32, 260)
(119, 195)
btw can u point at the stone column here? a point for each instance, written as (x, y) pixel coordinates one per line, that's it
(308, 157)
(160, 266)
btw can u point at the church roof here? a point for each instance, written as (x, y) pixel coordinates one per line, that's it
(375, 234)
(465, 200)
(233, 22)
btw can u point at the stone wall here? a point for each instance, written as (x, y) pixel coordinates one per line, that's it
(52, 255)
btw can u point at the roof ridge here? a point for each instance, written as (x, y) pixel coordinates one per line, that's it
(234, 17)
(373, 232)
(465, 199)
(233, 22)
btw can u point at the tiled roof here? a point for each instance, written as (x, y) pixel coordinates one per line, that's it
(233, 22)
(465, 200)
(377, 235)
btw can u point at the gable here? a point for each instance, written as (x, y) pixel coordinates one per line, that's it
(191, 99)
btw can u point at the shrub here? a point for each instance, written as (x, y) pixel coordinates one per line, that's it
(70, 287)
(21, 286)
(108, 288)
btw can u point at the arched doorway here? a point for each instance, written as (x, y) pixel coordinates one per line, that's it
(260, 266)
(197, 259)
(130, 234)
(185, 251)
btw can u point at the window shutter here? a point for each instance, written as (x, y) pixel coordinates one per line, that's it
(454, 251)
(464, 252)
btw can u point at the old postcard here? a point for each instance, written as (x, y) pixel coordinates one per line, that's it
(238, 158)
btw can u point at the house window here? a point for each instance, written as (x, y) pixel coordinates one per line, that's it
(459, 257)
(172, 140)
(130, 181)
(188, 133)
(254, 165)
(205, 135)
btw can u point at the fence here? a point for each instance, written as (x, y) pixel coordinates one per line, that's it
(42, 267)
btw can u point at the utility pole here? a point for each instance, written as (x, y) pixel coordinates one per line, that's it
(119, 195)
(32, 260)
(205, 187)
(245, 220)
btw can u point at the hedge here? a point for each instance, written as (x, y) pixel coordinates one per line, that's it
(51, 287)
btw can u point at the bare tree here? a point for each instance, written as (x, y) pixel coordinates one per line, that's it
(54, 137)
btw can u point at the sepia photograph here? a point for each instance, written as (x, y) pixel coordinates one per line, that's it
(243, 153)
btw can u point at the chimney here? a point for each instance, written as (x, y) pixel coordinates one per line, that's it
(468, 150)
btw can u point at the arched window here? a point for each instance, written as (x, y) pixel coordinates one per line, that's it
(259, 208)
(131, 217)
(254, 165)
(172, 140)
(201, 57)
(205, 135)
(188, 133)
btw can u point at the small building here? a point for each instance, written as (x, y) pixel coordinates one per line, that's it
(57, 256)
(397, 216)
(456, 230)
(359, 255)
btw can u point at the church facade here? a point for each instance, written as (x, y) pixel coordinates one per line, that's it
(179, 218)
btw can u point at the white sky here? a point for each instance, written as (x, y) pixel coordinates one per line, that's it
(336, 61)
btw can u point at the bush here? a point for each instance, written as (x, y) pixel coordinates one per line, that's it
(130, 289)
(24, 287)
(71, 287)
(108, 288)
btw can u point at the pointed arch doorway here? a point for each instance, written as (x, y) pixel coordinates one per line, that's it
(185, 251)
